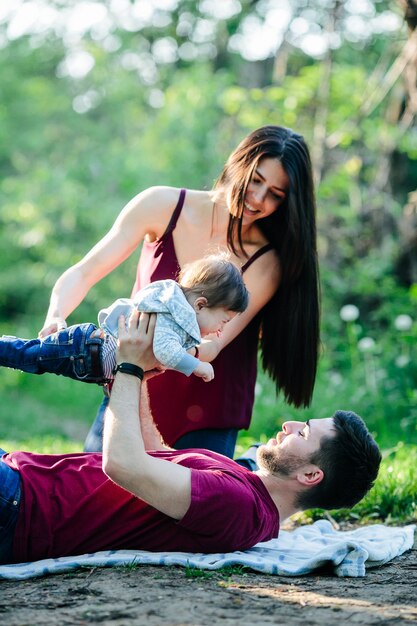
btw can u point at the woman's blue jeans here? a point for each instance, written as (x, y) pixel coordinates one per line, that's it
(10, 494)
(221, 440)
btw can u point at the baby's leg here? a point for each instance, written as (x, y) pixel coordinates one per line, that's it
(73, 352)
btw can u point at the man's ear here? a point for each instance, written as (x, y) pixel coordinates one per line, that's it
(310, 476)
(199, 303)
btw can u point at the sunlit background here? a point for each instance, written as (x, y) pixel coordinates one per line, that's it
(99, 100)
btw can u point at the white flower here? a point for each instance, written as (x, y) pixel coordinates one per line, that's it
(335, 378)
(402, 360)
(366, 344)
(403, 322)
(349, 313)
(258, 389)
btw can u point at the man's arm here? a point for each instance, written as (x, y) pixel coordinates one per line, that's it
(152, 438)
(164, 485)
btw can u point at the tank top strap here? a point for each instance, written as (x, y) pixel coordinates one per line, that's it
(255, 256)
(176, 213)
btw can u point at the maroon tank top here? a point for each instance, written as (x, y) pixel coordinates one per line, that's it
(181, 404)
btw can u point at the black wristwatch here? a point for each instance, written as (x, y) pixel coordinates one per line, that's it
(129, 368)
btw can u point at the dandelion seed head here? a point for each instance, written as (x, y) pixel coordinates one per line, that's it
(349, 313)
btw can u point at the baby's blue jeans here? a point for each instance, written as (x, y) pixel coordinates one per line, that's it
(66, 353)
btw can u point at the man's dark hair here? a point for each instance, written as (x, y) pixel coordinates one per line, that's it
(350, 461)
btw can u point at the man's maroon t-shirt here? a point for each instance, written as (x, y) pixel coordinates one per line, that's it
(69, 507)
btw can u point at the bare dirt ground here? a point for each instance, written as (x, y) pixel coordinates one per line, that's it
(162, 596)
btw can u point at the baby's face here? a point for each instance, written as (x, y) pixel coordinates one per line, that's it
(213, 320)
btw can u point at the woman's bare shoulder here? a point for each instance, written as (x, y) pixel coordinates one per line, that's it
(198, 205)
(152, 206)
(148, 212)
(198, 197)
(160, 196)
(268, 263)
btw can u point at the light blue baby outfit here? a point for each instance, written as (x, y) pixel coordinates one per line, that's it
(88, 353)
(176, 329)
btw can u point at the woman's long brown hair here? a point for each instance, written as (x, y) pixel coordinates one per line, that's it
(290, 321)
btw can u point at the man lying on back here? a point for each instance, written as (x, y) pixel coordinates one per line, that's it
(140, 494)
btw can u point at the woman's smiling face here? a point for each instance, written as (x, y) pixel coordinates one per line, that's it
(267, 189)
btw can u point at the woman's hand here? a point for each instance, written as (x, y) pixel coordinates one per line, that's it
(52, 325)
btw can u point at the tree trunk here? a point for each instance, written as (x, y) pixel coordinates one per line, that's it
(323, 98)
(407, 261)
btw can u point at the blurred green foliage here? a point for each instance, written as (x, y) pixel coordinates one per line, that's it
(73, 151)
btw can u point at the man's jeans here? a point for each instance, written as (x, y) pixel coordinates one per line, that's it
(10, 493)
(65, 353)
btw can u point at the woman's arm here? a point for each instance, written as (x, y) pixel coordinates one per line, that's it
(147, 213)
(262, 279)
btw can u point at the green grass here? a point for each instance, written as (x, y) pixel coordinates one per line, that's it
(132, 566)
(394, 496)
(192, 573)
(45, 413)
(224, 573)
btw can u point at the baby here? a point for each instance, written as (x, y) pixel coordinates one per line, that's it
(208, 294)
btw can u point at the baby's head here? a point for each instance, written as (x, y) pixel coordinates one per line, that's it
(214, 287)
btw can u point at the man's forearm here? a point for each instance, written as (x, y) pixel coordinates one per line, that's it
(164, 485)
(152, 438)
(123, 443)
(129, 429)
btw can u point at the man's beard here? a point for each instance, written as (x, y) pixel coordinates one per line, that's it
(277, 462)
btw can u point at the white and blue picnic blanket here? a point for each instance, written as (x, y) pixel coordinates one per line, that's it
(294, 553)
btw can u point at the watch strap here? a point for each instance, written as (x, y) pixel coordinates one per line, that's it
(129, 368)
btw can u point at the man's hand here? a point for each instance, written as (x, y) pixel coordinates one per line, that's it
(135, 341)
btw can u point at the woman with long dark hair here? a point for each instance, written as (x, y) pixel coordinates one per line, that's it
(262, 209)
